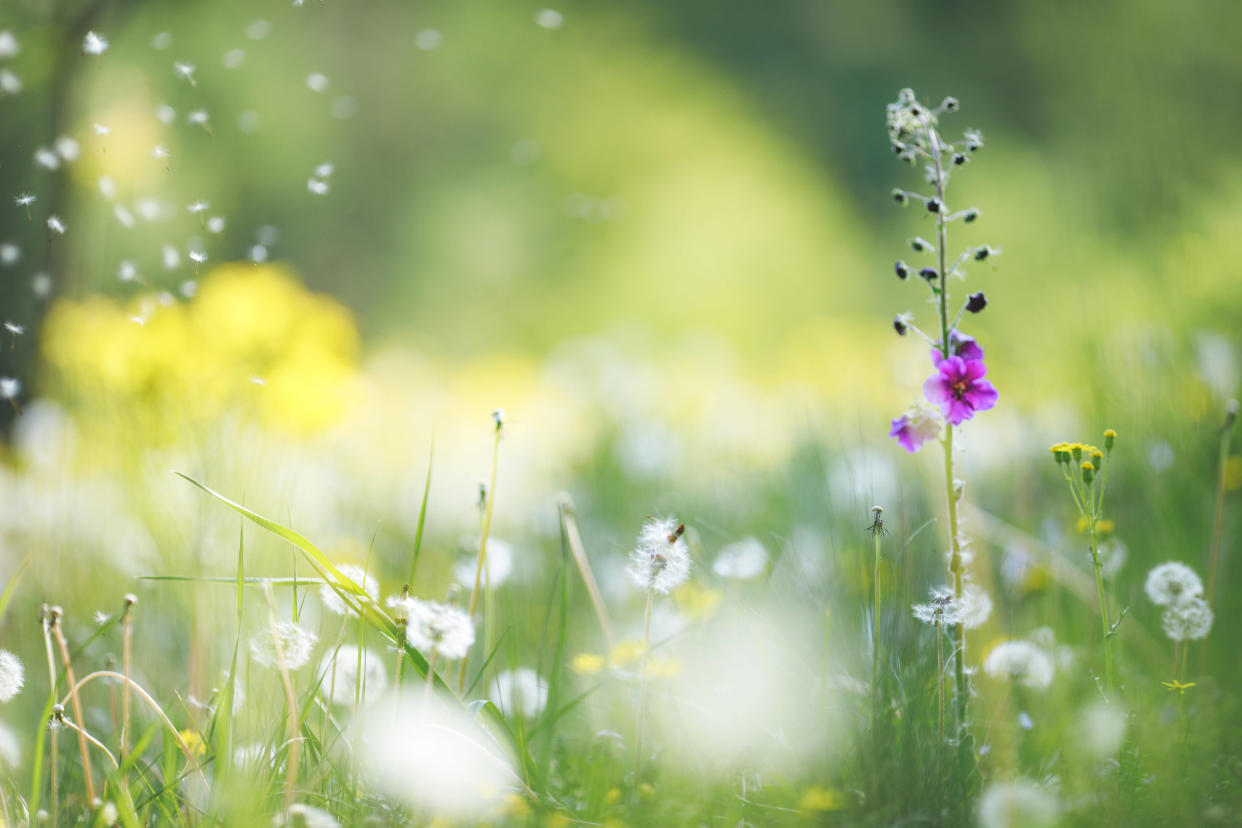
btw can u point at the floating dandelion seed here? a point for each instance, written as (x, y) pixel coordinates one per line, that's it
(258, 381)
(440, 629)
(1020, 661)
(25, 200)
(198, 257)
(428, 40)
(107, 187)
(258, 29)
(149, 209)
(189, 289)
(12, 674)
(10, 751)
(67, 148)
(10, 254)
(172, 258)
(741, 561)
(14, 328)
(9, 47)
(46, 158)
(1172, 582)
(10, 387)
(333, 601)
(127, 272)
(1190, 619)
(317, 82)
(41, 285)
(324, 170)
(198, 118)
(100, 129)
(520, 691)
(661, 559)
(296, 645)
(123, 215)
(56, 225)
(215, 224)
(342, 678)
(258, 254)
(186, 71)
(160, 151)
(197, 207)
(10, 83)
(549, 19)
(165, 114)
(93, 44)
(317, 187)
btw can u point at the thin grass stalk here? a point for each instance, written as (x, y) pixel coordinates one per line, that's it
(291, 774)
(574, 540)
(939, 686)
(642, 689)
(76, 700)
(127, 668)
(53, 760)
(1226, 431)
(482, 560)
(875, 636)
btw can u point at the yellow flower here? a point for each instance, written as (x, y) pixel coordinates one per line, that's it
(194, 741)
(587, 664)
(625, 653)
(516, 805)
(612, 796)
(821, 799)
(1178, 686)
(696, 602)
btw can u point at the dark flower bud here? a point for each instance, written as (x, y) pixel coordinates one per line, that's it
(929, 273)
(970, 215)
(949, 104)
(900, 197)
(898, 149)
(901, 269)
(982, 253)
(933, 205)
(899, 326)
(976, 302)
(921, 245)
(959, 159)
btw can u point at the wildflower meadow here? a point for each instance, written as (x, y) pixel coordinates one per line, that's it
(670, 414)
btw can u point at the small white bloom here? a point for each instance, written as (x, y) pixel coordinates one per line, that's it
(1017, 804)
(10, 83)
(94, 44)
(56, 225)
(428, 40)
(317, 187)
(333, 602)
(1187, 620)
(661, 558)
(342, 678)
(185, 70)
(296, 645)
(10, 254)
(317, 81)
(9, 46)
(123, 215)
(441, 629)
(1171, 582)
(496, 570)
(742, 561)
(520, 691)
(1020, 661)
(44, 157)
(549, 19)
(305, 816)
(10, 387)
(67, 148)
(14, 328)
(12, 674)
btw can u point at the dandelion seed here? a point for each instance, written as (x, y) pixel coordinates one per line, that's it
(234, 58)
(165, 114)
(198, 118)
(334, 603)
(160, 151)
(215, 224)
(940, 610)
(123, 215)
(1172, 582)
(1017, 804)
(1020, 661)
(186, 71)
(258, 29)
(496, 570)
(161, 41)
(342, 678)
(10, 254)
(521, 691)
(14, 328)
(93, 44)
(56, 225)
(317, 187)
(149, 209)
(107, 187)
(305, 816)
(41, 285)
(10, 387)
(9, 47)
(741, 561)
(127, 272)
(197, 256)
(439, 629)
(67, 148)
(171, 257)
(549, 19)
(197, 207)
(296, 645)
(317, 82)
(1189, 619)
(324, 170)
(661, 559)
(25, 200)
(428, 40)
(10, 83)
(12, 674)
(46, 158)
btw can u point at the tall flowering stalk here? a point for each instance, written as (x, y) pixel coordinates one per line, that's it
(1085, 469)
(957, 390)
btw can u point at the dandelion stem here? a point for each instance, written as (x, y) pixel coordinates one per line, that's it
(940, 682)
(77, 703)
(642, 690)
(53, 759)
(127, 663)
(482, 561)
(574, 539)
(875, 638)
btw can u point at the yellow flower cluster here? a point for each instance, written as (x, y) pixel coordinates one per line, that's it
(252, 338)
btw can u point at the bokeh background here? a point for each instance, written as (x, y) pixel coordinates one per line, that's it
(659, 234)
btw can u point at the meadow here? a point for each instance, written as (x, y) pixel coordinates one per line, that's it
(550, 417)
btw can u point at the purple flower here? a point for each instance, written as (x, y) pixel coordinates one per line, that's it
(963, 346)
(915, 427)
(959, 388)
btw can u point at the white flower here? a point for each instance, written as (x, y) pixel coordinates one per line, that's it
(661, 559)
(317, 82)
(317, 187)
(342, 679)
(1017, 804)
(10, 387)
(305, 816)
(44, 157)
(296, 646)
(1171, 582)
(440, 629)
(496, 570)
(333, 602)
(1187, 620)
(12, 675)
(743, 560)
(1020, 661)
(10, 83)
(94, 44)
(520, 691)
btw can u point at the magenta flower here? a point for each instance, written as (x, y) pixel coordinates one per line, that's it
(963, 346)
(959, 388)
(915, 427)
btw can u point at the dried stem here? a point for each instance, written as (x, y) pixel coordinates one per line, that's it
(77, 701)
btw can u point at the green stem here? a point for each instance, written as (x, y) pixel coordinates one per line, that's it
(875, 639)
(1104, 616)
(482, 561)
(642, 691)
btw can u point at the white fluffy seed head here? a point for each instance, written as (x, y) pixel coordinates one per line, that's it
(12, 676)
(343, 681)
(10, 387)
(1172, 582)
(1017, 804)
(974, 607)
(661, 557)
(334, 603)
(296, 645)
(741, 561)
(1020, 661)
(520, 691)
(1187, 620)
(441, 629)
(93, 44)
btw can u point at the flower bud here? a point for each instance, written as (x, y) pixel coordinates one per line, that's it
(922, 245)
(970, 215)
(982, 253)
(902, 271)
(976, 302)
(900, 326)
(934, 205)
(1076, 450)
(929, 273)
(959, 159)
(900, 197)
(1110, 439)
(949, 104)
(1088, 472)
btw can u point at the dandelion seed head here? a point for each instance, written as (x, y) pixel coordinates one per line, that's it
(46, 158)
(1020, 661)
(521, 691)
(10, 83)
(442, 629)
(10, 254)
(1017, 804)
(94, 44)
(497, 568)
(296, 645)
(12, 674)
(1189, 619)
(341, 676)
(25, 200)
(428, 40)
(56, 225)
(741, 561)
(317, 82)
(941, 609)
(333, 602)
(1171, 582)
(661, 557)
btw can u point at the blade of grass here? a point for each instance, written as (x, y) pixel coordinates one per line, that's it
(422, 514)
